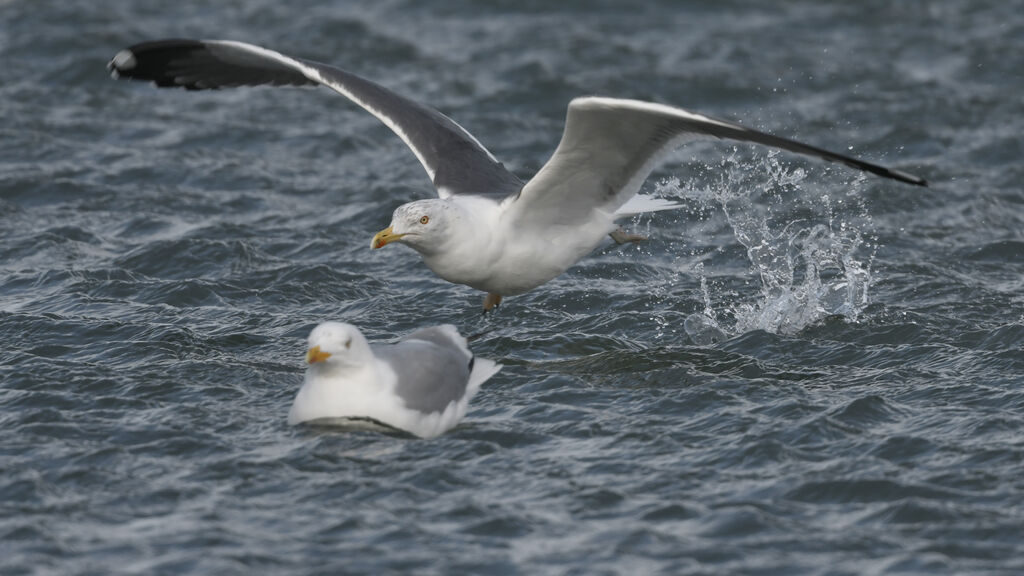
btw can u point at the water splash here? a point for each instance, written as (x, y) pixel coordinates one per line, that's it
(703, 328)
(810, 253)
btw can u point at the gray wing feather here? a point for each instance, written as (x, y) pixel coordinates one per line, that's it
(430, 376)
(445, 336)
(456, 162)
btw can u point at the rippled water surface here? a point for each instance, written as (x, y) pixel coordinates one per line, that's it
(806, 371)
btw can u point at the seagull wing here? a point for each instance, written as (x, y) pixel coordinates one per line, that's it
(455, 161)
(610, 146)
(429, 376)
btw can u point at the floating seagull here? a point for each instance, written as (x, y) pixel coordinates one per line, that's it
(421, 385)
(488, 229)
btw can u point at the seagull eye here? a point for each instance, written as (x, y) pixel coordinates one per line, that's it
(348, 343)
(425, 219)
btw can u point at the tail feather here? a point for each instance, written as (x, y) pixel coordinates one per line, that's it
(640, 204)
(483, 369)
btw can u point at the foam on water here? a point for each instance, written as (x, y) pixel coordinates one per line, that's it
(810, 254)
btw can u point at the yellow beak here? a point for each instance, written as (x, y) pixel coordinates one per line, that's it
(384, 237)
(314, 355)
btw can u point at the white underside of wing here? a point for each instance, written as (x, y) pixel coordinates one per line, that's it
(603, 131)
(641, 106)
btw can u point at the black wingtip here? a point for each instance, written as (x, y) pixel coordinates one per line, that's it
(152, 61)
(206, 65)
(883, 171)
(908, 178)
(876, 169)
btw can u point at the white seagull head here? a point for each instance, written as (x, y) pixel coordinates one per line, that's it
(337, 345)
(424, 225)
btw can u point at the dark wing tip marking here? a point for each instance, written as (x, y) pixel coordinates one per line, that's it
(879, 170)
(457, 162)
(201, 65)
(908, 178)
(744, 133)
(154, 61)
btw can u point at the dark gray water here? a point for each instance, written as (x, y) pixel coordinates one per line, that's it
(164, 255)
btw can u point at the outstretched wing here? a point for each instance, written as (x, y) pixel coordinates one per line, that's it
(610, 146)
(455, 161)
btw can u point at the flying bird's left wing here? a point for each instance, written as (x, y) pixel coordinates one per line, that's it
(455, 161)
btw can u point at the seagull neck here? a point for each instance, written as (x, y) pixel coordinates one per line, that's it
(470, 226)
(339, 369)
(468, 246)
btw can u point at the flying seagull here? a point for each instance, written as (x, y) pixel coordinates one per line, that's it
(487, 229)
(421, 384)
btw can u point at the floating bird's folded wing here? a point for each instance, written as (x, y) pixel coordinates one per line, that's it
(455, 161)
(445, 335)
(610, 146)
(428, 377)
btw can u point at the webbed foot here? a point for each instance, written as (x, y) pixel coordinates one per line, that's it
(622, 237)
(491, 302)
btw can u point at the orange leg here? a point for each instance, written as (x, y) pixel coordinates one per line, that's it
(621, 236)
(491, 301)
